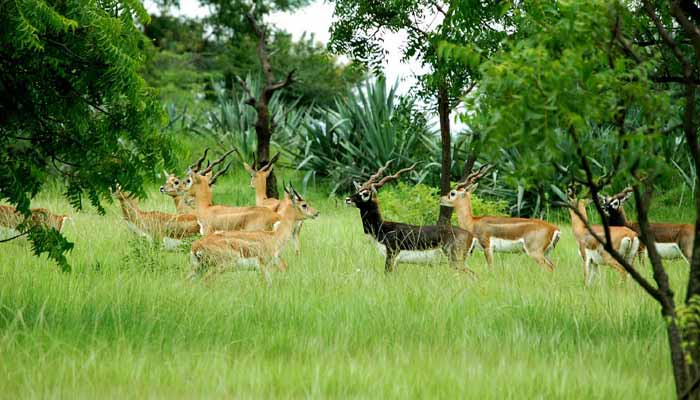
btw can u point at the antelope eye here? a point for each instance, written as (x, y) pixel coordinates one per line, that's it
(453, 193)
(303, 206)
(177, 182)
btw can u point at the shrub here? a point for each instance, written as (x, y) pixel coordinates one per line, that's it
(419, 204)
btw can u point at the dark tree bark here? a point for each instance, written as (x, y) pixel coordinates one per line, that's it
(264, 126)
(444, 115)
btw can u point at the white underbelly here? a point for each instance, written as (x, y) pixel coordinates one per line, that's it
(171, 244)
(669, 250)
(594, 256)
(507, 246)
(413, 256)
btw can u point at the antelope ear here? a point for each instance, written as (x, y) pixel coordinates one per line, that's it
(472, 188)
(357, 186)
(248, 168)
(625, 197)
(165, 173)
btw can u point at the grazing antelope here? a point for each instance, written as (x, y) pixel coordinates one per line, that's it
(455, 242)
(11, 219)
(258, 181)
(534, 237)
(624, 241)
(264, 247)
(671, 240)
(156, 225)
(213, 218)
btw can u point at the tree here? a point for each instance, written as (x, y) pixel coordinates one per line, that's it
(234, 20)
(632, 68)
(73, 107)
(359, 29)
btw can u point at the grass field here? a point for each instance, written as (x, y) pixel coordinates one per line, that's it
(126, 324)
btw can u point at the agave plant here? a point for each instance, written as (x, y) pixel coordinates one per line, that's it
(374, 125)
(232, 122)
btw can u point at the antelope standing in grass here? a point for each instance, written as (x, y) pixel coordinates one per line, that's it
(672, 241)
(156, 225)
(534, 237)
(624, 240)
(258, 181)
(11, 219)
(213, 218)
(455, 242)
(264, 247)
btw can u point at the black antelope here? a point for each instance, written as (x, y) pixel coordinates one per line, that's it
(212, 218)
(263, 247)
(624, 240)
(455, 242)
(671, 240)
(534, 237)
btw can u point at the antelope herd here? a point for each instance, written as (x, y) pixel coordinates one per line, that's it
(226, 236)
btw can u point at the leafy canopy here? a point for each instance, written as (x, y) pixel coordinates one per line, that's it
(73, 107)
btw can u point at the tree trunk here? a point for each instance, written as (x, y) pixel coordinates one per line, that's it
(263, 133)
(444, 114)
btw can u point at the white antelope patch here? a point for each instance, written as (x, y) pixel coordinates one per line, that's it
(507, 246)
(414, 256)
(669, 250)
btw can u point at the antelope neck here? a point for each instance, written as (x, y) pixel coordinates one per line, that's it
(203, 197)
(260, 192)
(371, 218)
(577, 225)
(463, 207)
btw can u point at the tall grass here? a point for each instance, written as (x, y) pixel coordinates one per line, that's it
(126, 323)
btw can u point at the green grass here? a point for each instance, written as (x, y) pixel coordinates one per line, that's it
(126, 324)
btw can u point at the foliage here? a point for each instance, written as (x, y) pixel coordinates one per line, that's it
(74, 107)
(416, 204)
(365, 131)
(231, 122)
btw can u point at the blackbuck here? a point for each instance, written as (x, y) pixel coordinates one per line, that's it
(258, 181)
(156, 225)
(213, 218)
(396, 237)
(264, 248)
(671, 240)
(11, 219)
(624, 241)
(534, 237)
(171, 188)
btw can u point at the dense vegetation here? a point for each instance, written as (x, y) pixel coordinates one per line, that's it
(96, 94)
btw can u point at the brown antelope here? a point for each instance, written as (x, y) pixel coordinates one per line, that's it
(213, 218)
(170, 188)
(258, 181)
(156, 225)
(534, 237)
(11, 219)
(671, 240)
(624, 241)
(397, 237)
(263, 247)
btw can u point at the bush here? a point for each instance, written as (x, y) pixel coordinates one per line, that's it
(419, 204)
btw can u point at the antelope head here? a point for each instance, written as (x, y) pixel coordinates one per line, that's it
(171, 185)
(367, 192)
(258, 177)
(612, 204)
(464, 188)
(302, 209)
(199, 179)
